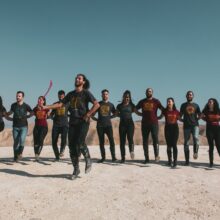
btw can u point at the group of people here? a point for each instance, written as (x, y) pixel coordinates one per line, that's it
(71, 116)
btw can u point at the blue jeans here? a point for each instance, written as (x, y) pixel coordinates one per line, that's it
(19, 135)
(194, 130)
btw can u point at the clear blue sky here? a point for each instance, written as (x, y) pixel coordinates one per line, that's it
(169, 45)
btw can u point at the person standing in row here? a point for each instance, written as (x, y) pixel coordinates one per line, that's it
(40, 127)
(80, 114)
(211, 114)
(2, 114)
(20, 111)
(149, 123)
(60, 126)
(190, 114)
(126, 126)
(104, 126)
(171, 130)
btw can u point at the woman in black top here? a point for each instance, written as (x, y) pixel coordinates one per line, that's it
(126, 126)
(211, 114)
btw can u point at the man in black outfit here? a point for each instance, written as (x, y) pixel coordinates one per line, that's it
(79, 121)
(104, 126)
(60, 126)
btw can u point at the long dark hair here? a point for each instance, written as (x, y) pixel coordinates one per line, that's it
(87, 83)
(174, 106)
(216, 109)
(43, 97)
(127, 92)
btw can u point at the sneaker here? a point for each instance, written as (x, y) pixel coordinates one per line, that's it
(61, 154)
(174, 163)
(114, 159)
(146, 161)
(186, 163)
(132, 155)
(195, 156)
(122, 161)
(101, 160)
(56, 160)
(169, 163)
(157, 159)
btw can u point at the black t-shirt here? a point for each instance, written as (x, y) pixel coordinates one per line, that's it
(60, 118)
(125, 112)
(2, 110)
(190, 112)
(20, 114)
(79, 104)
(105, 112)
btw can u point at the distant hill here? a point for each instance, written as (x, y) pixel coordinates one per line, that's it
(92, 138)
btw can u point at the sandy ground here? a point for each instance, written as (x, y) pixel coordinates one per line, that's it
(42, 190)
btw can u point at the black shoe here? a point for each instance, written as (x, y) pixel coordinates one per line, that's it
(101, 160)
(211, 165)
(122, 161)
(186, 163)
(76, 172)
(169, 163)
(88, 165)
(174, 163)
(146, 161)
(114, 159)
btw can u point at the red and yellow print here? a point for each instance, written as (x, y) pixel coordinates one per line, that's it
(171, 118)
(148, 106)
(41, 115)
(213, 117)
(190, 109)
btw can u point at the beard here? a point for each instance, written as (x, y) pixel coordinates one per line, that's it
(149, 96)
(78, 84)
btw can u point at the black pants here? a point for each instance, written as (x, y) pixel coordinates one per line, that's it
(39, 134)
(77, 136)
(213, 136)
(126, 130)
(146, 130)
(56, 131)
(171, 135)
(101, 134)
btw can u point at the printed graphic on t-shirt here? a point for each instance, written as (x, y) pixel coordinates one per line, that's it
(190, 109)
(75, 102)
(171, 118)
(41, 114)
(212, 117)
(148, 106)
(104, 110)
(61, 111)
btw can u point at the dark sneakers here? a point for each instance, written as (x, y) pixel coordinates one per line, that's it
(101, 160)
